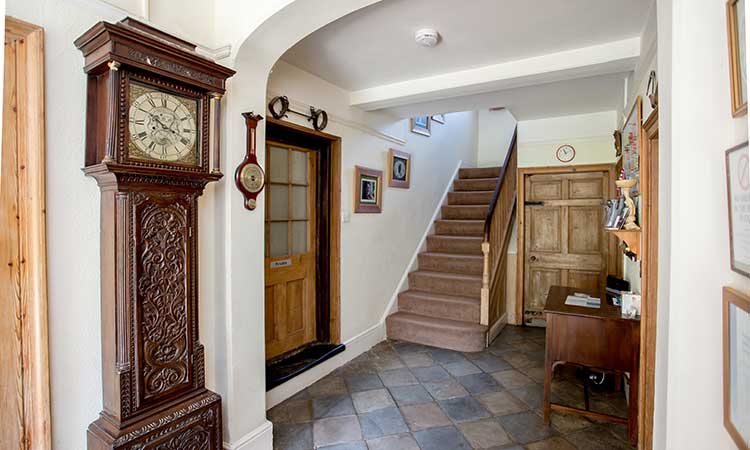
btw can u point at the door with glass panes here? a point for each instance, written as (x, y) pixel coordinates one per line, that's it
(290, 248)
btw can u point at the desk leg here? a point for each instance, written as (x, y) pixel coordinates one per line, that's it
(549, 369)
(633, 409)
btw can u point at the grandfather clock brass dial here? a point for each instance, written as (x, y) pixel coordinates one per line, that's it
(152, 144)
(162, 125)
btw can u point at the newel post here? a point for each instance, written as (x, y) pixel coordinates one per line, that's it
(485, 306)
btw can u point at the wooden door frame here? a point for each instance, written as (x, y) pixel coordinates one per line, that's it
(649, 284)
(30, 127)
(333, 216)
(521, 175)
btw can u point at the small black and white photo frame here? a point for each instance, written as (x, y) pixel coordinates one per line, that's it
(368, 190)
(399, 169)
(421, 125)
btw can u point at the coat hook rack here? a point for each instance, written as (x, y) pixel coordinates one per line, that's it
(318, 117)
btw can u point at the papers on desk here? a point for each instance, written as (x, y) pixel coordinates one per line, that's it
(584, 300)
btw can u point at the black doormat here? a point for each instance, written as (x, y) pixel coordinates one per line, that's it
(285, 369)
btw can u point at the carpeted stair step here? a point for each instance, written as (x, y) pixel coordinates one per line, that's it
(470, 197)
(464, 212)
(446, 283)
(478, 172)
(450, 334)
(455, 244)
(460, 227)
(451, 263)
(451, 307)
(475, 184)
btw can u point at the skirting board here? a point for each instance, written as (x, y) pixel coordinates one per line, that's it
(422, 246)
(497, 328)
(260, 438)
(354, 347)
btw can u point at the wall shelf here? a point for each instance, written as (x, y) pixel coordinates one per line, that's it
(631, 238)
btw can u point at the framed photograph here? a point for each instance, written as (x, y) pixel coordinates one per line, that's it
(632, 137)
(421, 125)
(368, 190)
(738, 205)
(736, 350)
(737, 34)
(439, 118)
(399, 169)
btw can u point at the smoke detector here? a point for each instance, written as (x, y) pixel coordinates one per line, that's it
(427, 37)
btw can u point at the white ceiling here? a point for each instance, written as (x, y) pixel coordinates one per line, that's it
(375, 46)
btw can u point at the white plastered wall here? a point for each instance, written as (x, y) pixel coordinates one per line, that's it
(494, 133)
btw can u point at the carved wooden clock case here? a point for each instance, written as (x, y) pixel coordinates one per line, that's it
(152, 144)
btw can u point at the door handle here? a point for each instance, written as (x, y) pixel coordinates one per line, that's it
(532, 259)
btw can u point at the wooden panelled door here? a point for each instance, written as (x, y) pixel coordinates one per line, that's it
(565, 241)
(290, 248)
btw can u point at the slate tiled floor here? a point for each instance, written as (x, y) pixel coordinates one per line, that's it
(404, 396)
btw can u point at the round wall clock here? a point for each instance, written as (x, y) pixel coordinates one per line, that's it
(566, 153)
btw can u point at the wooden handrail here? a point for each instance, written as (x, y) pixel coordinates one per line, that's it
(497, 228)
(499, 185)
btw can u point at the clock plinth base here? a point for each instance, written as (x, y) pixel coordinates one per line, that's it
(193, 423)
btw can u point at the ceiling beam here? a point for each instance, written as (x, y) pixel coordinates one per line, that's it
(612, 57)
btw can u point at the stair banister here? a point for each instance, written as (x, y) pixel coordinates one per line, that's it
(497, 227)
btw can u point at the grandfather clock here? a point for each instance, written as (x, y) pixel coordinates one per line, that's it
(152, 144)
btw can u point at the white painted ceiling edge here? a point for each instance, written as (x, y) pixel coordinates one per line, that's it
(603, 59)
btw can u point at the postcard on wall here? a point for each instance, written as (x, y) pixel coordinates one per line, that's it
(631, 145)
(738, 199)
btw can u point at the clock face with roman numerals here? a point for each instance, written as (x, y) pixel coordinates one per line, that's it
(162, 126)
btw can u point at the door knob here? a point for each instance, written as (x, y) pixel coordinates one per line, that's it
(532, 259)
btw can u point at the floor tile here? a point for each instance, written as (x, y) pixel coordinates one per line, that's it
(446, 356)
(502, 403)
(398, 377)
(426, 415)
(461, 368)
(446, 438)
(410, 395)
(555, 443)
(567, 423)
(331, 406)
(330, 385)
(404, 348)
(293, 436)
(479, 383)
(388, 362)
(420, 359)
(368, 401)
(532, 395)
(430, 374)
(464, 409)
(499, 347)
(363, 382)
(512, 379)
(485, 434)
(397, 442)
(596, 438)
(491, 363)
(518, 359)
(535, 373)
(527, 346)
(382, 422)
(526, 427)
(359, 445)
(294, 411)
(336, 430)
(443, 390)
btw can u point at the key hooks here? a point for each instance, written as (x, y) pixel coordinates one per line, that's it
(318, 117)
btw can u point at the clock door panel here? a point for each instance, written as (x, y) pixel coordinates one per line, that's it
(164, 295)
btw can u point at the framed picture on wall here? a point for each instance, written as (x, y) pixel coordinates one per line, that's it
(737, 36)
(439, 118)
(736, 349)
(738, 205)
(399, 169)
(632, 136)
(368, 190)
(421, 125)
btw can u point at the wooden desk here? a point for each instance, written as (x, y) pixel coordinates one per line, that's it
(598, 338)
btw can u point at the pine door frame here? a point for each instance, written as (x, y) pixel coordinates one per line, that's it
(30, 147)
(331, 213)
(521, 175)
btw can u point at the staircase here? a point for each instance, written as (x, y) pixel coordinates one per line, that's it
(442, 306)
